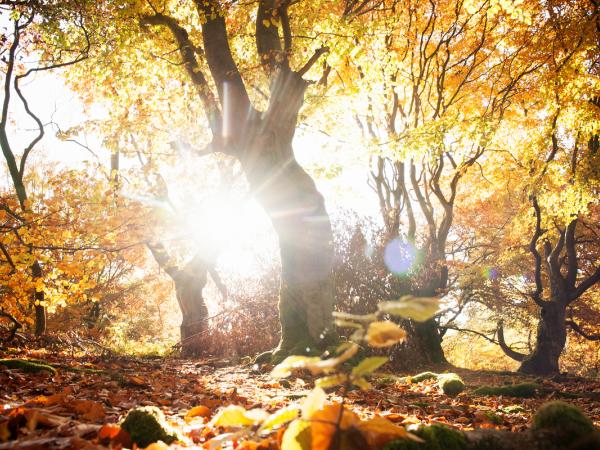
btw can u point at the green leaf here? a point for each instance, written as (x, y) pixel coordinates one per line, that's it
(369, 365)
(362, 383)
(331, 381)
(281, 417)
(410, 307)
(285, 368)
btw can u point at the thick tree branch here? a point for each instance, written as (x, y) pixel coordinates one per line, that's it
(313, 59)
(504, 346)
(577, 329)
(188, 55)
(585, 285)
(233, 95)
(539, 287)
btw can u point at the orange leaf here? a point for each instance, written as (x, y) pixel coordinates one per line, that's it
(324, 425)
(198, 411)
(379, 431)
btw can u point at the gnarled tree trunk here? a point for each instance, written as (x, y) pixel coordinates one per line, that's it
(262, 142)
(550, 341)
(189, 283)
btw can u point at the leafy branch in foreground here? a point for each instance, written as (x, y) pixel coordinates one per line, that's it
(316, 424)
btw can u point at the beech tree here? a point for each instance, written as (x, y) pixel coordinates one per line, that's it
(258, 130)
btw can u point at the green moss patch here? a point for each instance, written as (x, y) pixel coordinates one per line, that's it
(522, 390)
(146, 425)
(422, 377)
(451, 384)
(564, 417)
(27, 366)
(436, 437)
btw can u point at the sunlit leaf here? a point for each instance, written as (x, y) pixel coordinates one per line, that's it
(331, 381)
(198, 411)
(291, 363)
(313, 402)
(330, 364)
(362, 383)
(410, 307)
(279, 418)
(384, 334)
(369, 365)
(297, 436)
(236, 416)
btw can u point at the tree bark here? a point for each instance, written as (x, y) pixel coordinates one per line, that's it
(297, 211)
(189, 283)
(427, 334)
(550, 341)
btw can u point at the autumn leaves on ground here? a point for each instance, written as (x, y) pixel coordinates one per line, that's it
(81, 405)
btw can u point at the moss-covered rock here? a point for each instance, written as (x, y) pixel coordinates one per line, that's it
(422, 377)
(436, 437)
(27, 366)
(451, 384)
(522, 390)
(146, 425)
(564, 417)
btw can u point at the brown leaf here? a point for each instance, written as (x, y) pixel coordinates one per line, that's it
(88, 409)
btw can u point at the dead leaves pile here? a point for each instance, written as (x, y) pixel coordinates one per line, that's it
(209, 406)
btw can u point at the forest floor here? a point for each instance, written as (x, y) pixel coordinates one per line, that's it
(71, 409)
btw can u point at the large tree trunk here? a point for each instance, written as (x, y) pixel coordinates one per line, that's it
(426, 335)
(297, 210)
(550, 341)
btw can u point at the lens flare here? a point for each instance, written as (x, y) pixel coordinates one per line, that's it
(491, 273)
(399, 256)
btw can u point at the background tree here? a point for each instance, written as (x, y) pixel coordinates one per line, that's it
(438, 78)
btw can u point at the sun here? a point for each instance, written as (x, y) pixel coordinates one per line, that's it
(235, 229)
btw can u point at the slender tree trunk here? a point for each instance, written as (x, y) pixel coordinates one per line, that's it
(189, 284)
(38, 298)
(550, 341)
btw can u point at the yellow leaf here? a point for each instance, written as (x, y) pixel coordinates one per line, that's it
(281, 417)
(410, 307)
(285, 368)
(297, 436)
(236, 416)
(313, 402)
(384, 334)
